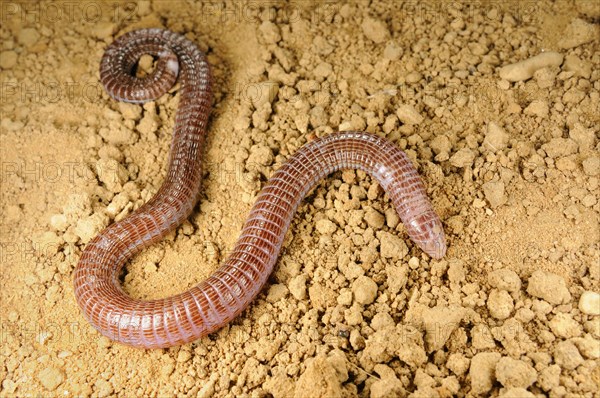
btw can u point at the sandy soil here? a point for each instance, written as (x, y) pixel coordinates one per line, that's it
(510, 156)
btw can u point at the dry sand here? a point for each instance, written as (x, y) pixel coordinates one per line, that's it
(510, 156)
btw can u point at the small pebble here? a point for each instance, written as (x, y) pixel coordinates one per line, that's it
(482, 338)
(546, 77)
(537, 108)
(500, 304)
(577, 33)
(53, 294)
(387, 385)
(297, 287)
(277, 292)
(408, 114)
(382, 320)
(104, 388)
(414, 77)
(148, 125)
(8, 59)
(392, 246)
(261, 116)
(392, 51)
(9, 386)
(482, 371)
(581, 68)
(440, 322)
(549, 377)
(515, 373)
(589, 200)
(440, 144)
(549, 287)
(183, 356)
(325, 227)
(78, 205)
(505, 279)
(28, 37)
(345, 297)
(87, 228)
(318, 116)
(270, 32)
(263, 93)
(496, 138)
(260, 155)
(563, 325)
(51, 378)
(463, 158)
(589, 303)
(323, 70)
(588, 346)
(375, 30)
(118, 135)
(560, 147)
(118, 203)
(374, 218)
(494, 193)
(413, 263)
(567, 355)
(364, 289)
(112, 174)
(396, 278)
(353, 315)
(356, 340)
(573, 96)
(583, 137)
(591, 165)
(456, 272)
(130, 111)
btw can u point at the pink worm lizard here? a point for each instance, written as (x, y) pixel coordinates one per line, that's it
(229, 290)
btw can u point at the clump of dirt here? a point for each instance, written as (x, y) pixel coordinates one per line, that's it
(495, 104)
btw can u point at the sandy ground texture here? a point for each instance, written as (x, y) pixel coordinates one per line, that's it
(505, 138)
